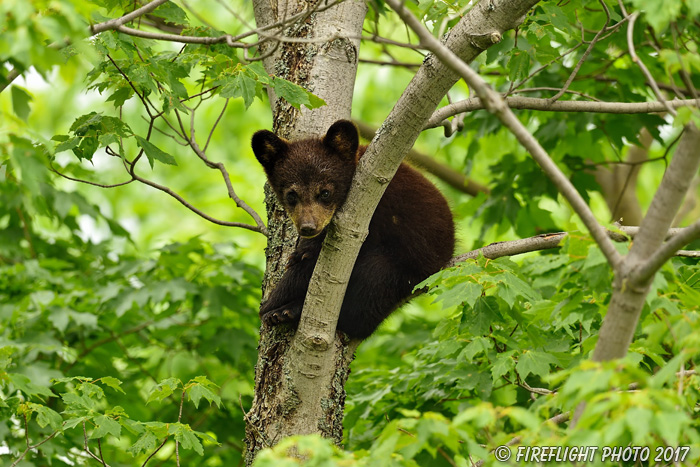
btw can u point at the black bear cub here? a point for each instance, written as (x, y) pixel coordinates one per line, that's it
(411, 234)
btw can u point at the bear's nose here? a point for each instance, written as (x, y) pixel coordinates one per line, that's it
(307, 230)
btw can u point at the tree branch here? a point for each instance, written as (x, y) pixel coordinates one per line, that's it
(116, 23)
(650, 79)
(647, 254)
(667, 250)
(224, 173)
(512, 247)
(442, 171)
(534, 103)
(667, 200)
(496, 105)
(588, 51)
(11, 76)
(200, 213)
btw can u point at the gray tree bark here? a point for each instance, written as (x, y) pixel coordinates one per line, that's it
(327, 68)
(634, 275)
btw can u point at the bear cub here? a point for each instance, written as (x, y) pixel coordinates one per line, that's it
(411, 234)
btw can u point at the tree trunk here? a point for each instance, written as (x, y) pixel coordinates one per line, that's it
(328, 69)
(619, 182)
(633, 278)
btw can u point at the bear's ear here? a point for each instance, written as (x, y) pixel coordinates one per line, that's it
(342, 139)
(268, 148)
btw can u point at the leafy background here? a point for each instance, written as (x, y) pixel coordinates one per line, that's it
(128, 322)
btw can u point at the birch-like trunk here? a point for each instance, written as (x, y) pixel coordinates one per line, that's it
(328, 69)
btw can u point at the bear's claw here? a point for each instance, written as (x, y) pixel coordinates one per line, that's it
(285, 314)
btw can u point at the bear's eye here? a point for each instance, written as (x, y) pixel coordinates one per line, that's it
(292, 197)
(325, 194)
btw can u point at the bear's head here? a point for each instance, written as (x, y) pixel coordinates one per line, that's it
(311, 177)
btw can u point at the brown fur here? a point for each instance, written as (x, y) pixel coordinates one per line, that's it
(411, 234)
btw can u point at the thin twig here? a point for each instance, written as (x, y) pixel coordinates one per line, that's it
(154, 452)
(650, 79)
(164, 189)
(585, 55)
(87, 449)
(31, 447)
(227, 179)
(115, 23)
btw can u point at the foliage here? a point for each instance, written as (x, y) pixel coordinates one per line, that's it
(124, 344)
(93, 342)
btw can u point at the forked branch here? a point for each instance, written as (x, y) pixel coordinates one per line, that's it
(495, 104)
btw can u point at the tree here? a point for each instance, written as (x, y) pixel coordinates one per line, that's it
(610, 59)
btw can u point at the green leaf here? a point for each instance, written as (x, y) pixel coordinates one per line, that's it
(188, 440)
(519, 65)
(659, 13)
(154, 153)
(46, 416)
(477, 319)
(504, 363)
(113, 383)
(20, 102)
(70, 144)
(197, 391)
(296, 95)
(146, 443)
(105, 426)
(24, 384)
(72, 423)
(121, 95)
(172, 13)
(534, 362)
(638, 421)
(240, 85)
(164, 389)
(667, 372)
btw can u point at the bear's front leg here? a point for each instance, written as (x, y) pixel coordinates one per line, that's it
(286, 301)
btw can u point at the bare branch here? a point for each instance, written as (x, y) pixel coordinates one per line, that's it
(87, 182)
(155, 452)
(552, 240)
(116, 23)
(648, 252)
(546, 105)
(650, 79)
(11, 76)
(162, 36)
(513, 247)
(87, 449)
(224, 173)
(496, 105)
(669, 249)
(526, 79)
(165, 189)
(31, 446)
(665, 205)
(633, 230)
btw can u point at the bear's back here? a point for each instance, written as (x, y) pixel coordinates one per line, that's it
(413, 222)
